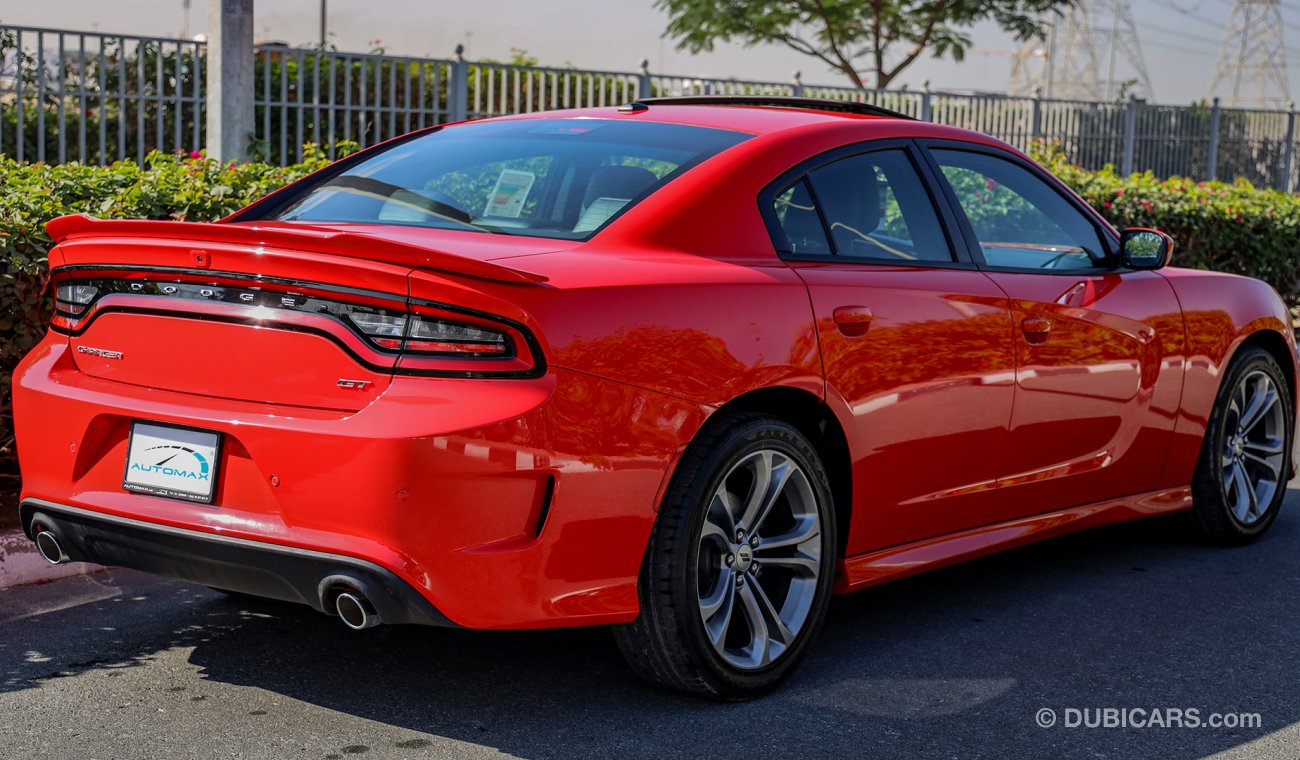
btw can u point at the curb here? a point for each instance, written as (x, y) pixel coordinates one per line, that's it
(21, 564)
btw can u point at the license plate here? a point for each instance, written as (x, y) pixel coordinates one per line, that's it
(172, 461)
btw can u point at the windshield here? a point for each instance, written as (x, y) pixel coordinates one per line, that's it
(558, 178)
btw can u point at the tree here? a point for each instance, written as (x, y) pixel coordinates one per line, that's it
(885, 35)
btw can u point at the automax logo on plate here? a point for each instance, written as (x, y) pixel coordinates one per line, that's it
(197, 469)
(171, 461)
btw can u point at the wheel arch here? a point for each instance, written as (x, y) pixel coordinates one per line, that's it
(1215, 514)
(1273, 342)
(815, 419)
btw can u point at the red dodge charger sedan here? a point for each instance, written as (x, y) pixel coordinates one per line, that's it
(686, 367)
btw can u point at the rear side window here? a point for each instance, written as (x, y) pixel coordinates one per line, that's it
(871, 206)
(559, 178)
(801, 222)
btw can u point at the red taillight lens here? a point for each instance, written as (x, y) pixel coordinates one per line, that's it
(70, 302)
(383, 328)
(429, 335)
(439, 336)
(463, 343)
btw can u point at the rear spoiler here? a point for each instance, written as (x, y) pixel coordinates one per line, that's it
(291, 236)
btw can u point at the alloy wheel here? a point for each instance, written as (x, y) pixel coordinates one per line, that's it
(759, 559)
(1253, 447)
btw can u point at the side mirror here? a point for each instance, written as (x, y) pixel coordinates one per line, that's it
(1143, 248)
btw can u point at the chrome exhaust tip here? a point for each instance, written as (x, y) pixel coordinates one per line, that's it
(355, 611)
(48, 545)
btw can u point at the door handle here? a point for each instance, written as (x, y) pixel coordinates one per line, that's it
(853, 321)
(1036, 329)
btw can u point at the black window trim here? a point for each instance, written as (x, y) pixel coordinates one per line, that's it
(957, 245)
(1105, 234)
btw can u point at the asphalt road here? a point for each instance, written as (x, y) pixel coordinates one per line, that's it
(953, 664)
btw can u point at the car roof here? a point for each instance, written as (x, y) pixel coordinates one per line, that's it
(769, 116)
(751, 118)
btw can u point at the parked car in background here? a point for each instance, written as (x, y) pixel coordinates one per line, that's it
(686, 367)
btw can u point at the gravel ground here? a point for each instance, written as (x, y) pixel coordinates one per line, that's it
(957, 663)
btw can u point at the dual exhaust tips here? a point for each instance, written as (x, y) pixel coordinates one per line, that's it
(353, 607)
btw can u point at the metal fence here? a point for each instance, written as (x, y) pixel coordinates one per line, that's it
(324, 97)
(96, 98)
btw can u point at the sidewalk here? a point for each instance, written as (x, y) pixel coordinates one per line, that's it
(21, 564)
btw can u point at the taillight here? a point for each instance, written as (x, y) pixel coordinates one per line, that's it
(384, 329)
(427, 335)
(437, 336)
(416, 337)
(71, 300)
(458, 342)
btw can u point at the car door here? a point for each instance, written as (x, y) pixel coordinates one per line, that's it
(1099, 350)
(915, 341)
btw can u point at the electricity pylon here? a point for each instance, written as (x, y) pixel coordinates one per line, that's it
(1252, 64)
(1068, 63)
(1029, 69)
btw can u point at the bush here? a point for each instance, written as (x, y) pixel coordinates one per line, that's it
(166, 187)
(1215, 225)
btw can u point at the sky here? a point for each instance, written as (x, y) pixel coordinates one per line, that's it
(1180, 38)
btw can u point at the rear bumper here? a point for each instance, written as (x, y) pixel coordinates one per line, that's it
(251, 567)
(503, 503)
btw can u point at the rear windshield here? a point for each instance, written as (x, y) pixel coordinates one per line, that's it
(558, 178)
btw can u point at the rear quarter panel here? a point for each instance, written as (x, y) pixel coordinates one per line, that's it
(697, 328)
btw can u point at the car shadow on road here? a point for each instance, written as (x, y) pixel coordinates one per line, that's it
(957, 662)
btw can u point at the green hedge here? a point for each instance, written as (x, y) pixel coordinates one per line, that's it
(1233, 228)
(1215, 225)
(166, 187)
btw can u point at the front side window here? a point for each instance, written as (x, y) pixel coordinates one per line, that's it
(559, 178)
(871, 206)
(1019, 220)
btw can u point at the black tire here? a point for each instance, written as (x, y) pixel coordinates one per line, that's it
(1212, 515)
(668, 644)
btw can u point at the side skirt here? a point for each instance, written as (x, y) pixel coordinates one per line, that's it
(896, 562)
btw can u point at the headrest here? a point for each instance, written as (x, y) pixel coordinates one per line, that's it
(622, 182)
(849, 194)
